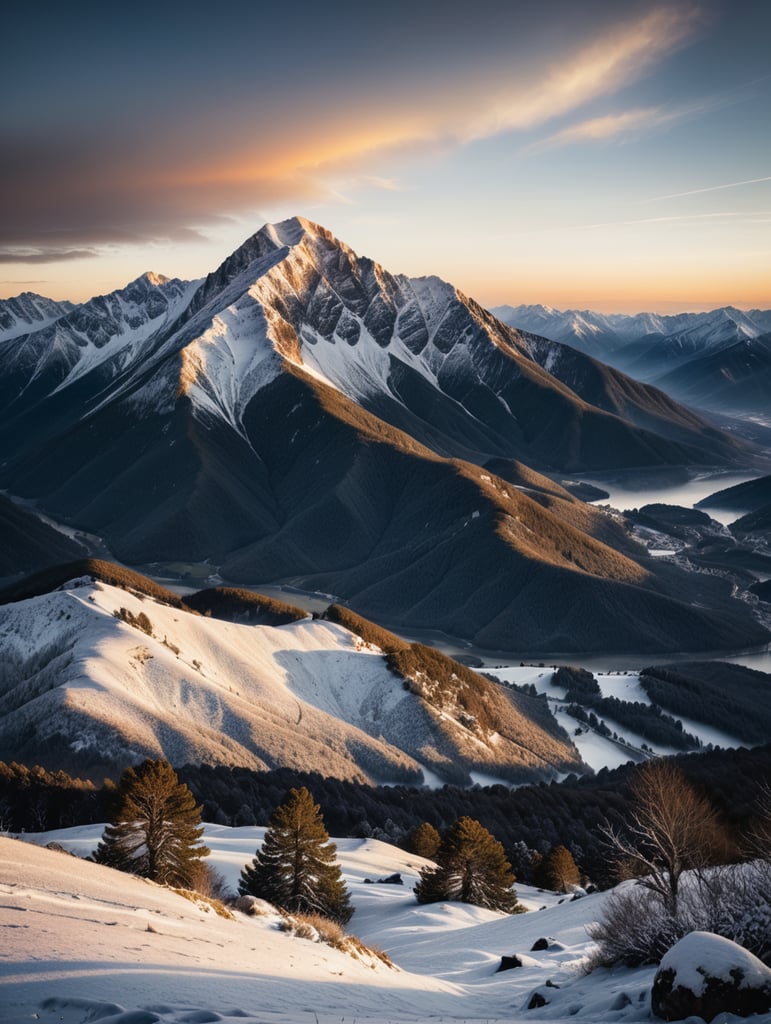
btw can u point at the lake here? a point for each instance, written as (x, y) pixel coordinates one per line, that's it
(635, 492)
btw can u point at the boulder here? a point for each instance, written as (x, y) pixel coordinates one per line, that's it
(508, 963)
(541, 996)
(704, 975)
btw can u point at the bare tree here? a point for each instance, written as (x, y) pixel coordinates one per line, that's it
(757, 843)
(671, 829)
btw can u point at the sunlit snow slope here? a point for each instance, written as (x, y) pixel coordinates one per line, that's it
(93, 674)
(83, 943)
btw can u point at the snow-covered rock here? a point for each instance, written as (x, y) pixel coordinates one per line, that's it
(704, 975)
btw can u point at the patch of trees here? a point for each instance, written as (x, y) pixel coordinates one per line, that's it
(480, 704)
(443, 683)
(524, 819)
(140, 621)
(35, 799)
(234, 604)
(471, 867)
(580, 685)
(732, 698)
(369, 632)
(648, 720)
(108, 572)
(588, 718)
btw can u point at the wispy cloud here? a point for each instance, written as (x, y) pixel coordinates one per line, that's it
(614, 60)
(15, 281)
(709, 188)
(45, 255)
(630, 124)
(386, 184)
(60, 199)
(742, 216)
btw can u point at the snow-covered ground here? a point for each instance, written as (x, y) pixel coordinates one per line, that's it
(601, 751)
(308, 695)
(81, 943)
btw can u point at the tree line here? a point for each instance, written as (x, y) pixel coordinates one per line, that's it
(525, 820)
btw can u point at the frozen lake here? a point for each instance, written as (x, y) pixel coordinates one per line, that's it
(630, 494)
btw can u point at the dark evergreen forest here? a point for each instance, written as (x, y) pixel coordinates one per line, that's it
(526, 819)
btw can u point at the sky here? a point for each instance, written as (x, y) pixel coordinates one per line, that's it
(594, 154)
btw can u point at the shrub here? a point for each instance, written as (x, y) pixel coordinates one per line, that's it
(634, 929)
(424, 841)
(140, 621)
(557, 870)
(733, 901)
(234, 604)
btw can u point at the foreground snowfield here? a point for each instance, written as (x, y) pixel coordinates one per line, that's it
(82, 943)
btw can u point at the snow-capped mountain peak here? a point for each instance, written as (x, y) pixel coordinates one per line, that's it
(29, 312)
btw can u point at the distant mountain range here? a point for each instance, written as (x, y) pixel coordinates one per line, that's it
(29, 312)
(718, 359)
(304, 415)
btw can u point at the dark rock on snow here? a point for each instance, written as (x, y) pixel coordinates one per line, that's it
(704, 975)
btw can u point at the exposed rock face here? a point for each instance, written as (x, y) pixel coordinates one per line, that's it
(704, 975)
(305, 415)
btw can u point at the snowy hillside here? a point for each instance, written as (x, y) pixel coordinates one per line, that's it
(95, 675)
(601, 751)
(85, 943)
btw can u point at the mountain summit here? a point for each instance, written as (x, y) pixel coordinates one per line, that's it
(302, 414)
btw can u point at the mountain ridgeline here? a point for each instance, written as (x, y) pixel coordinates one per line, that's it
(103, 667)
(720, 359)
(303, 415)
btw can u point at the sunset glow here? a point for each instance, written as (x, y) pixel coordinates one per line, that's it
(603, 156)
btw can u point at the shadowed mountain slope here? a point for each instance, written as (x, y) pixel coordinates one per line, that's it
(305, 415)
(736, 378)
(718, 359)
(28, 542)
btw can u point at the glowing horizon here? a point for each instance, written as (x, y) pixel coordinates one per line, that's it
(616, 160)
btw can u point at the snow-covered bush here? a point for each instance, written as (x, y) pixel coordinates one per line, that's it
(634, 929)
(733, 901)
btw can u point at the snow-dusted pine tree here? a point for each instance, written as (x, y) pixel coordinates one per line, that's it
(424, 840)
(297, 868)
(156, 831)
(471, 868)
(557, 871)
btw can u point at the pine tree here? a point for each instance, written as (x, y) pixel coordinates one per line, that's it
(471, 868)
(156, 832)
(424, 840)
(296, 868)
(558, 870)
